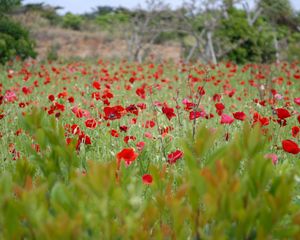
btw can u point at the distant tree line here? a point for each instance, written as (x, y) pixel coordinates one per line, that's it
(206, 30)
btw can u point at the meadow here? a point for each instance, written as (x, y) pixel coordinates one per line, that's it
(120, 150)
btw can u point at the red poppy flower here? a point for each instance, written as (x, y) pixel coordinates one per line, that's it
(297, 100)
(169, 112)
(142, 106)
(59, 107)
(188, 105)
(174, 156)
(149, 124)
(132, 109)
(201, 90)
(71, 99)
(26, 90)
(295, 131)
(96, 95)
(141, 92)
(140, 146)
(22, 105)
(196, 114)
(264, 121)
(80, 112)
(75, 129)
(128, 138)
(226, 119)
(113, 113)
(219, 106)
(282, 113)
(128, 155)
(85, 138)
(148, 135)
(239, 116)
(62, 95)
(123, 128)
(217, 97)
(96, 85)
(91, 123)
(290, 146)
(147, 179)
(114, 133)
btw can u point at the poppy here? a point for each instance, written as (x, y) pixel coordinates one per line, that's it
(196, 114)
(169, 112)
(295, 131)
(113, 113)
(149, 124)
(114, 133)
(282, 113)
(174, 156)
(128, 155)
(140, 146)
(239, 116)
(132, 109)
(96, 85)
(290, 147)
(91, 123)
(226, 119)
(147, 179)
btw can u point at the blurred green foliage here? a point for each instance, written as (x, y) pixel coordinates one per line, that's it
(225, 192)
(7, 5)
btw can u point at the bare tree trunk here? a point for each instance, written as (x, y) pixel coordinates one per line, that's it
(191, 53)
(276, 46)
(211, 47)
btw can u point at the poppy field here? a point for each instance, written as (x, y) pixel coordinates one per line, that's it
(120, 150)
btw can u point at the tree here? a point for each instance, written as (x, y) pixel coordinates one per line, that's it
(8, 5)
(14, 39)
(145, 27)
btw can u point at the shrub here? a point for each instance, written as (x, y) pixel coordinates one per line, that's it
(14, 41)
(257, 41)
(72, 21)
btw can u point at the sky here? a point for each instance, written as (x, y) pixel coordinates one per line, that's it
(83, 6)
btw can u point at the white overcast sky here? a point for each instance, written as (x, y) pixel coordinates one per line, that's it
(82, 6)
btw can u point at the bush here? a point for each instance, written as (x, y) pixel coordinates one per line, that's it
(257, 45)
(14, 41)
(72, 21)
(110, 20)
(7, 5)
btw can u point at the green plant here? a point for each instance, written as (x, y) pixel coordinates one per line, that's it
(14, 41)
(223, 192)
(255, 42)
(7, 5)
(72, 21)
(52, 54)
